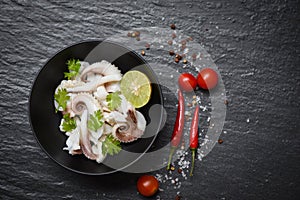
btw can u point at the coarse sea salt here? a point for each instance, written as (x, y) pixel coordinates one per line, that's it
(208, 119)
(182, 164)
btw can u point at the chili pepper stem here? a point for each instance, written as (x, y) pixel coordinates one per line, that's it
(193, 161)
(170, 157)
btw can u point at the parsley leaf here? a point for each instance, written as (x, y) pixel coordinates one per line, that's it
(73, 66)
(61, 97)
(111, 146)
(95, 122)
(68, 124)
(113, 100)
(70, 75)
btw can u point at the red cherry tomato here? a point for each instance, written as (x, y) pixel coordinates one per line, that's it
(187, 82)
(207, 78)
(147, 185)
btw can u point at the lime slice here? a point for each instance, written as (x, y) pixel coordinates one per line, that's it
(136, 88)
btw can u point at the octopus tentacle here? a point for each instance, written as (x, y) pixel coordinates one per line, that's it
(92, 86)
(85, 144)
(129, 131)
(84, 101)
(104, 68)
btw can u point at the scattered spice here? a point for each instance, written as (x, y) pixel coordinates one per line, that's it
(134, 34)
(179, 51)
(143, 53)
(182, 144)
(147, 45)
(178, 56)
(137, 33)
(182, 47)
(226, 102)
(194, 56)
(173, 35)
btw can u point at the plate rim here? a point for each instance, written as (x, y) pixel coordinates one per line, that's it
(35, 82)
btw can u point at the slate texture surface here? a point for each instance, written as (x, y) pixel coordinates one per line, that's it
(256, 47)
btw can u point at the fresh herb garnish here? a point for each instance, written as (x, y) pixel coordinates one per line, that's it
(61, 97)
(95, 122)
(68, 124)
(113, 100)
(111, 146)
(73, 66)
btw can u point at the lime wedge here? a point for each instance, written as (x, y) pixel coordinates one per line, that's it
(136, 88)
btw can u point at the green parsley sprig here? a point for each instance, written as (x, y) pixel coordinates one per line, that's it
(111, 146)
(74, 67)
(113, 100)
(95, 122)
(61, 97)
(68, 124)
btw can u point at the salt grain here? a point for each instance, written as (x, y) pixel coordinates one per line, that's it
(208, 119)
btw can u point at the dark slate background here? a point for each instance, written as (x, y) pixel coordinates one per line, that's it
(256, 47)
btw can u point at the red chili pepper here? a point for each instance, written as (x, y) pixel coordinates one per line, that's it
(178, 127)
(194, 137)
(179, 124)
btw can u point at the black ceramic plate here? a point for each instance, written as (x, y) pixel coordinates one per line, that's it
(45, 122)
